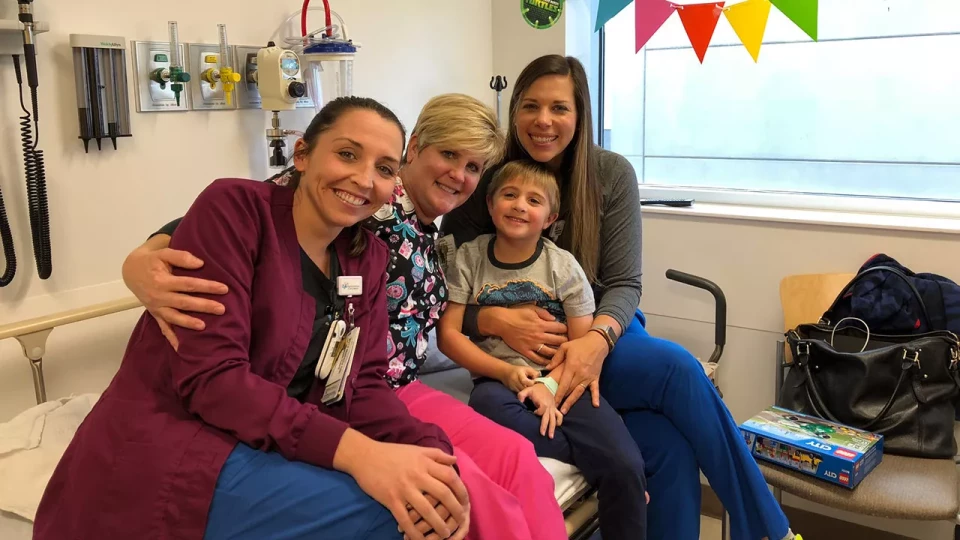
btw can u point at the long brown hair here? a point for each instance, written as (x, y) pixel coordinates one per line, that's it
(323, 121)
(583, 187)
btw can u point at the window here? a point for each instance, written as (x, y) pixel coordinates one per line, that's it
(870, 112)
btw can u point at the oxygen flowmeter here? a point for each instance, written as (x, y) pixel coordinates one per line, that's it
(175, 74)
(224, 72)
(280, 82)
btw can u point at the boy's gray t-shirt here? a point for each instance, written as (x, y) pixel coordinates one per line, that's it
(551, 278)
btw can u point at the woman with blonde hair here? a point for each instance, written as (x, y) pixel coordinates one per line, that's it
(456, 137)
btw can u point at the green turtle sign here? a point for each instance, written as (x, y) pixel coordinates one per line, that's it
(541, 14)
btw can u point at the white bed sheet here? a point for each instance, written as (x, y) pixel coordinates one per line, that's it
(568, 482)
(31, 445)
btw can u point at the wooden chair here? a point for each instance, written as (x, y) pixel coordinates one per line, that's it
(900, 487)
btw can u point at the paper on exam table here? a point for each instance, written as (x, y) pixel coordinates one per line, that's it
(31, 445)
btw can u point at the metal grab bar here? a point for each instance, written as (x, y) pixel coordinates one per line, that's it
(32, 333)
(720, 338)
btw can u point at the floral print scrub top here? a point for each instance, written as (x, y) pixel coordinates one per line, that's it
(416, 290)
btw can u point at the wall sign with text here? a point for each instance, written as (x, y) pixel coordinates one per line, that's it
(541, 14)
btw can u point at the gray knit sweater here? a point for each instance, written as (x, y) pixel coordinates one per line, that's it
(618, 281)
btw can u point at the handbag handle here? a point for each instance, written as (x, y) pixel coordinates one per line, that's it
(894, 271)
(813, 396)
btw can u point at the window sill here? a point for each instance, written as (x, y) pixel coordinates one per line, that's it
(833, 218)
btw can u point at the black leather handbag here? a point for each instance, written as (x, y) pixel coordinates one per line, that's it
(904, 387)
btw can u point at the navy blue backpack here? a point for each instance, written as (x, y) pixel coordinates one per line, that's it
(892, 299)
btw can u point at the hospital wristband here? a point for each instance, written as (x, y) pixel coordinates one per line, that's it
(549, 383)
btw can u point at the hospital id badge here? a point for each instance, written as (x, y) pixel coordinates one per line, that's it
(335, 335)
(343, 361)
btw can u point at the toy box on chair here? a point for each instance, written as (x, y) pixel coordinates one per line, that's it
(832, 452)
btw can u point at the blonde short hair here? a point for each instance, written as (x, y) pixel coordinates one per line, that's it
(460, 122)
(528, 172)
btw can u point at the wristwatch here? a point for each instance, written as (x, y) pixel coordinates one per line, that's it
(607, 332)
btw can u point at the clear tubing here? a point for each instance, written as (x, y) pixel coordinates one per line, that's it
(295, 14)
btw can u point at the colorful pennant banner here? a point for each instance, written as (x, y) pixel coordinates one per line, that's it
(803, 13)
(748, 19)
(650, 17)
(700, 20)
(609, 9)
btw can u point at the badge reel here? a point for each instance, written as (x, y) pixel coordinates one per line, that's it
(346, 286)
(338, 329)
(339, 351)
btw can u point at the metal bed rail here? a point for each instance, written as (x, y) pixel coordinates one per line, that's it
(33, 333)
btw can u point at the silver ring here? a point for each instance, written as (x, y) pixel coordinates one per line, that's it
(540, 347)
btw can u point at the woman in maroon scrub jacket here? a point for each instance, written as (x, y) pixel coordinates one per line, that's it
(231, 435)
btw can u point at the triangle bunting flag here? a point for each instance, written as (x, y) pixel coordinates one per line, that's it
(608, 9)
(700, 21)
(803, 13)
(650, 16)
(749, 21)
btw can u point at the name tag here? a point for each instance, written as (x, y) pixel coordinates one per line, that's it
(350, 285)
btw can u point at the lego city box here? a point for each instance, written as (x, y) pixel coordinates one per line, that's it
(826, 450)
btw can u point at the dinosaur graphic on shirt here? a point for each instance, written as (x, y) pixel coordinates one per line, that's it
(518, 292)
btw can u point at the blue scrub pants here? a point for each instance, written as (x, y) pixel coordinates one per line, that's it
(682, 426)
(262, 495)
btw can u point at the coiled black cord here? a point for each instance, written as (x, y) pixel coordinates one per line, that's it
(6, 239)
(36, 181)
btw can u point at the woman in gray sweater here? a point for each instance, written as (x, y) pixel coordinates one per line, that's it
(669, 405)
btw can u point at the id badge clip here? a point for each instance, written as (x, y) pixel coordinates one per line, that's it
(337, 357)
(331, 345)
(350, 286)
(342, 365)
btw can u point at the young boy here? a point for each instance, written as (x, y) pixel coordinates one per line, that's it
(518, 266)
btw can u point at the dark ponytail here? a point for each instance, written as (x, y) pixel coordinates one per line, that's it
(323, 121)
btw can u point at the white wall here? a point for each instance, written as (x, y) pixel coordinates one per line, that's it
(516, 43)
(102, 204)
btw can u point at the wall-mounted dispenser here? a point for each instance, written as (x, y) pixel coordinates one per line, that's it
(103, 107)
